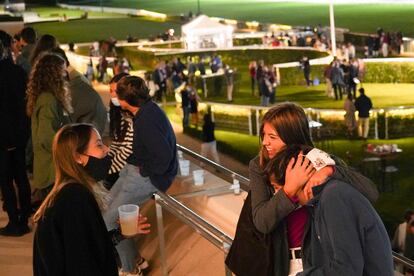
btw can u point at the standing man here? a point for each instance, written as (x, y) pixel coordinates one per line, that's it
(160, 78)
(151, 167)
(229, 75)
(306, 70)
(27, 41)
(13, 142)
(363, 105)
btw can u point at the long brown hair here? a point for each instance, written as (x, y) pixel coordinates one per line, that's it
(70, 141)
(48, 76)
(45, 43)
(291, 124)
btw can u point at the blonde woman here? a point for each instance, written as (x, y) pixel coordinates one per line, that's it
(48, 105)
(71, 236)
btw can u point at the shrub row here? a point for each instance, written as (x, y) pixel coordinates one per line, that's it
(392, 72)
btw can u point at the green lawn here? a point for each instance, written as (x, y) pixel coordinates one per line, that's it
(381, 94)
(47, 12)
(358, 18)
(97, 29)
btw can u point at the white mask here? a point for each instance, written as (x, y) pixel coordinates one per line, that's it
(320, 159)
(115, 102)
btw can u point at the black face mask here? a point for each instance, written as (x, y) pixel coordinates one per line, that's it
(98, 168)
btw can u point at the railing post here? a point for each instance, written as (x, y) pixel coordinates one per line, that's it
(257, 122)
(204, 87)
(160, 227)
(250, 122)
(376, 125)
(227, 271)
(386, 124)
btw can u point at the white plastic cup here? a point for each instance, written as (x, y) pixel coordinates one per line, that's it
(184, 167)
(128, 218)
(198, 176)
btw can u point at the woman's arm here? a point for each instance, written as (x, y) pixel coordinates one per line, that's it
(268, 209)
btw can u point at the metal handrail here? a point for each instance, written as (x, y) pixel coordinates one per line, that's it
(207, 230)
(398, 258)
(244, 181)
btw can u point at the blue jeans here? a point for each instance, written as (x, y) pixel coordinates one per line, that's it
(130, 188)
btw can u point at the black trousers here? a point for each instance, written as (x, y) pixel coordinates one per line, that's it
(338, 91)
(13, 171)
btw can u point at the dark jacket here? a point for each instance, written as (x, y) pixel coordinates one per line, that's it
(23, 60)
(86, 102)
(154, 146)
(208, 132)
(72, 239)
(266, 223)
(363, 104)
(13, 116)
(346, 236)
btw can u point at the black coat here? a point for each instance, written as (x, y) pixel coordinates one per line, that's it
(72, 239)
(252, 252)
(16, 126)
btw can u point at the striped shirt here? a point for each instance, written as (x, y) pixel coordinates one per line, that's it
(121, 150)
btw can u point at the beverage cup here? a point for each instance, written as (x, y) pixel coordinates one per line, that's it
(128, 218)
(184, 167)
(198, 176)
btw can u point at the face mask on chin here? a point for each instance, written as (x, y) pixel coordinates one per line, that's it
(115, 102)
(98, 168)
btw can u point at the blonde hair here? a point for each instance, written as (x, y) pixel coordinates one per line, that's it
(70, 141)
(47, 76)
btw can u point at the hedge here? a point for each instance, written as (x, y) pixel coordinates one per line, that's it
(376, 72)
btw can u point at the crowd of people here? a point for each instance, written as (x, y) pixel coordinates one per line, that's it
(303, 209)
(383, 44)
(264, 79)
(78, 182)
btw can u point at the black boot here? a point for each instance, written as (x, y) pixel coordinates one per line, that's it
(11, 230)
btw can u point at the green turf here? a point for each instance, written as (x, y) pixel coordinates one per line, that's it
(382, 95)
(358, 18)
(48, 12)
(97, 29)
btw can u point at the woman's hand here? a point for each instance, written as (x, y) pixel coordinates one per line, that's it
(297, 174)
(143, 227)
(317, 179)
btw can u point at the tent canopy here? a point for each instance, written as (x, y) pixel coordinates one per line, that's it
(202, 32)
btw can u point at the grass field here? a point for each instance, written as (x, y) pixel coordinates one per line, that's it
(47, 12)
(96, 29)
(382, 95)
(358, 18)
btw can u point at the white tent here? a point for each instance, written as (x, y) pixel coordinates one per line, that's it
(202, 33)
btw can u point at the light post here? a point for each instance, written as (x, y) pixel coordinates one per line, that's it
(198, 7)
(101, 6)
(333, 34)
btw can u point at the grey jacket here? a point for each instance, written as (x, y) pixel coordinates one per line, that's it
(345, 234)
(87, 104)
(269, 209)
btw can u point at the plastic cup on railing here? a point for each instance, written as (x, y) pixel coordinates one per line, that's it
(184, 167)
(198, 176)
(128, 218)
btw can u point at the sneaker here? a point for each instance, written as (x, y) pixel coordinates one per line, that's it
(143, 264)
(137, 272)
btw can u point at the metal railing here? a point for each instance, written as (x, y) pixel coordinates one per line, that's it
(210, 232)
